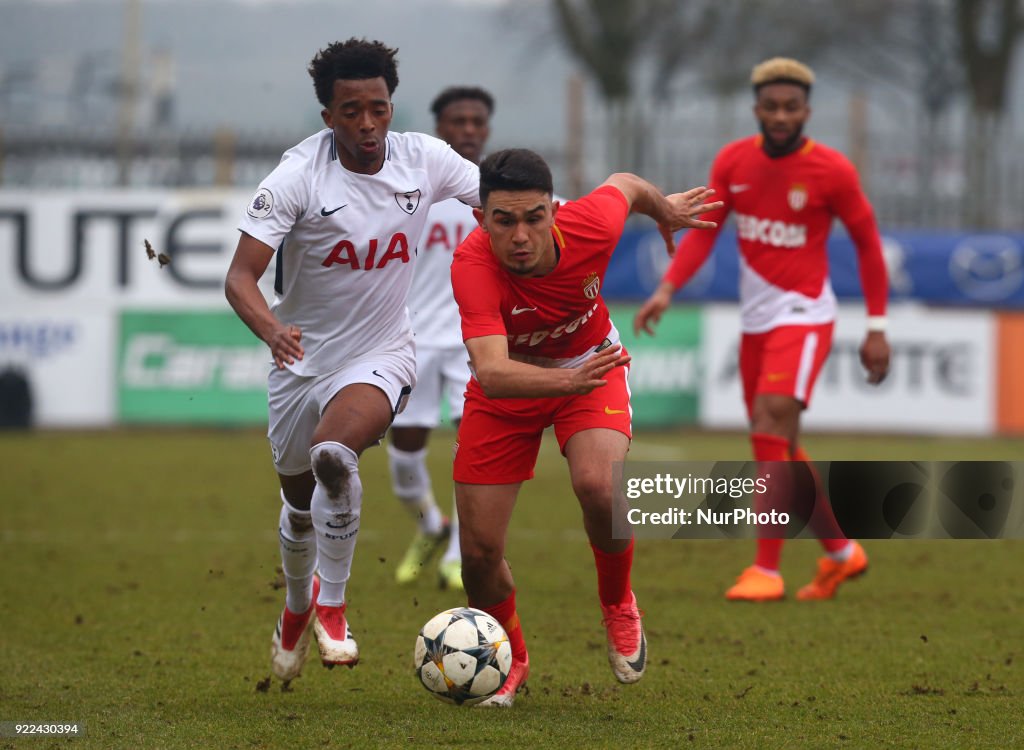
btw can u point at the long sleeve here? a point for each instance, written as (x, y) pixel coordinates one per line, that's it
(853, 209)
(696, 245)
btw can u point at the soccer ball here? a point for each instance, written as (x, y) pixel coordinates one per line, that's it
(462, 656)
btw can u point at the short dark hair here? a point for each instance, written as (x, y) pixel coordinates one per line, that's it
(515, 169)
(354, 60)
(458, 94)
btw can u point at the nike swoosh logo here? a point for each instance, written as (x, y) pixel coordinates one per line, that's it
(738, 188)
(325, 212)
(342, 525)
(380, 376)
(637, 665)
(516, 310)
(611, 412)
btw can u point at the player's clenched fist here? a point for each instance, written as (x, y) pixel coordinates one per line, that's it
(874, 355)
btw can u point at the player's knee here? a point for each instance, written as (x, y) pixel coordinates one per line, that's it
(775, 416)
(593, 489)
(481, 555)
(334, 466)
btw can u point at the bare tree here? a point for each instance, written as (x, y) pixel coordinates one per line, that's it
(930, 52)
(607, 37)
(604, 36)
(989, 32)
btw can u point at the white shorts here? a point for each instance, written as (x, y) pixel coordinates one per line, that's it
(296, 401)
(440, 373)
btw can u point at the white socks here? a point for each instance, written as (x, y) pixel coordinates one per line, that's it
(337, 502)
(454, 552)
(842, 555)
(411, 484)
(298, 556)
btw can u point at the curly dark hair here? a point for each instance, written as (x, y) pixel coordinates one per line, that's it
(356, 59)
(514, 169)
(458, 94)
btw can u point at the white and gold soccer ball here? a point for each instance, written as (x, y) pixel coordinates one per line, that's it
(462, 656)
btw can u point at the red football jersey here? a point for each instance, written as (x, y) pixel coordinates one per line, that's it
(784, 211)
(560, 315)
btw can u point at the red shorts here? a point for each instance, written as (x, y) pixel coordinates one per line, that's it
(499, 438)
(784, 360)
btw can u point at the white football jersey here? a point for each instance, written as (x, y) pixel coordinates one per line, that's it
(435, 316)
(347, 240)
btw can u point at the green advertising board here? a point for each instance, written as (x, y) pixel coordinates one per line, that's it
(664, 376)
(190, 368)
(207, 368)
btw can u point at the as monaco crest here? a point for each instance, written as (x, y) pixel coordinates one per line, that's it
(591, 286)
(409, 201)
(797, 197)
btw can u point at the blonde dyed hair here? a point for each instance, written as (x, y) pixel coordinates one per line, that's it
(781, 70)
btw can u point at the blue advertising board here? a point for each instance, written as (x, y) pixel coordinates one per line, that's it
(943, 268)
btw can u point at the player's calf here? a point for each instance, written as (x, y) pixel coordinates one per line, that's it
(336, 508)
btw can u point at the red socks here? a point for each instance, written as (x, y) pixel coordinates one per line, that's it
(613, 574)
(769, 448)
(769, 551)
(505, 613)
(823, 520)
(613, 587)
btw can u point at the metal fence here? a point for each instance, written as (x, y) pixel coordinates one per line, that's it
(918, 172)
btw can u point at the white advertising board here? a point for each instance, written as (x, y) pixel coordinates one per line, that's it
(70, 261)
(68, 358)
(942, 378)
(85, 250)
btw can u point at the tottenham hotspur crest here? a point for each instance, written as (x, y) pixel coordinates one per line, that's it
(408, 201)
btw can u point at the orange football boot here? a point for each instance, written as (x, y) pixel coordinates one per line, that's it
(831, 573)
(754, 585)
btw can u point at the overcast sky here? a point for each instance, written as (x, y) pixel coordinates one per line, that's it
(243, 62)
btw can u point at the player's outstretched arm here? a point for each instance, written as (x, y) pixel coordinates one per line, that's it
(502, 377)
(241, 288)
(672, 212)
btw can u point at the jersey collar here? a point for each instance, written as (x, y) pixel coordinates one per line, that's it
(803, 150)
(559, 238)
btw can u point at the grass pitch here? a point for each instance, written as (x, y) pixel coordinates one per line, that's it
(139, 592)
